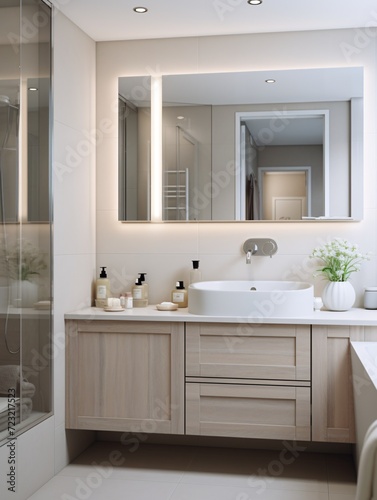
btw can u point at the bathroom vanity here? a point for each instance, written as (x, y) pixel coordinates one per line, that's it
(142, 370)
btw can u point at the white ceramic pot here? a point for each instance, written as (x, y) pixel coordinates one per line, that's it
(338, 296)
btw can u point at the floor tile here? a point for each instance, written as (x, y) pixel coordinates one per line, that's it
(297, 471)
(146, 462)
(280, 469)
(110, 470)
(341, 474)
(56, 488)
(221, 492)
(341, 496)
(97, 488)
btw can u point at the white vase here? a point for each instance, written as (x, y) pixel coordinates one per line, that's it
(338, 296)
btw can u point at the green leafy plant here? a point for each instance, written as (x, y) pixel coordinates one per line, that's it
(25, 261)
(340, 259)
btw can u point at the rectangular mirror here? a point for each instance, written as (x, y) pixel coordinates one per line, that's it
(226, 137)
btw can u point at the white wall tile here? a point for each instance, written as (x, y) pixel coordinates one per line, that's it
(221, 244)
(72, 171)
(116, 237)
(74, 203)
(74, 65)
(107, 177)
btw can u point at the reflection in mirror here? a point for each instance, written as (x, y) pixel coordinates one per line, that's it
(38, 127)
(9, 176)
(201, 144)
(186, 160)
(222, 189)
(283, 164)
(134, 143)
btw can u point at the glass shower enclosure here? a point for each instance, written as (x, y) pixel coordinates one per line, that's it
(25, 215)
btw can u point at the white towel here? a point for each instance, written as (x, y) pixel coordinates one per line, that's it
(366, 480)
(27, 389)
(9, 378)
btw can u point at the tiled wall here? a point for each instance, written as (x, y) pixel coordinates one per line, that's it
(165, 251)
(74, 203)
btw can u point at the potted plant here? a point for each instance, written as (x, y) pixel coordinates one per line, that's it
(25, 263)
(339, 259)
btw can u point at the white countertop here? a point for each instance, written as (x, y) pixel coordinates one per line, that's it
(355, 316)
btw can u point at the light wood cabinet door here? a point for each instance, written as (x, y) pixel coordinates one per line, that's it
(249, 411)
(275, 352)
(332, 392)
(125, 376)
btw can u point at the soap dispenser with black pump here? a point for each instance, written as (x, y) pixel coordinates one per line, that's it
(103, 291)
(195, 273)
(179, 295)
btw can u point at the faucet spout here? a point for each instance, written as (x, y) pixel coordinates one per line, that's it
(251, 251)
(248, 257)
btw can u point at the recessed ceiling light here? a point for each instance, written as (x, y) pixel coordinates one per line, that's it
(254, 2)
(140, 10)
(180, 117)
(33, 89)
(270, 80)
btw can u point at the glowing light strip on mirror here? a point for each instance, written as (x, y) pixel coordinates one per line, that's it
(156, 149)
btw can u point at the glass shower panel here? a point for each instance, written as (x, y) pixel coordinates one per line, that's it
(25, 221)
(10, 324)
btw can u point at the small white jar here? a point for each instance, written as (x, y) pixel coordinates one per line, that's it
(370, 297)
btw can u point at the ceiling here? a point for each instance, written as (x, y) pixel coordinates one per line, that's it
(116, 20)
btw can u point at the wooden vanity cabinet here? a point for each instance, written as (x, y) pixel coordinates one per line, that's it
(125, 376)
(332, 389)
(212, 379)
(246, 380)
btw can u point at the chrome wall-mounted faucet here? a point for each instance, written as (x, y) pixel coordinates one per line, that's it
(251, 251)
(259, 246)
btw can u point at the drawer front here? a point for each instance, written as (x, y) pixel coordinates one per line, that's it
(275, 352)
(248, 411)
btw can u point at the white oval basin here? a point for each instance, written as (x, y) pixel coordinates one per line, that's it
(259, 299)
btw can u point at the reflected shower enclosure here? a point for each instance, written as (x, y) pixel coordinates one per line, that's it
(25, 220)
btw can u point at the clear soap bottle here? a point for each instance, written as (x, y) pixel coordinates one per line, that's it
(195, 273)
(179, 295)
(138, 294)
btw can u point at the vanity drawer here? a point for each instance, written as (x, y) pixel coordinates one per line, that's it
(276, 352)
(248, 411)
